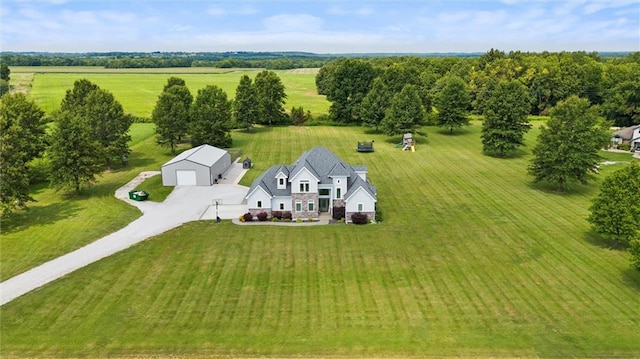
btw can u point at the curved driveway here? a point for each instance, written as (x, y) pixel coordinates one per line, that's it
(184, 204)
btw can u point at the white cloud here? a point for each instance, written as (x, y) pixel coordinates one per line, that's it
(292, 22)
(79, 17)
(219, 11)
(339, 10)
(453, 17)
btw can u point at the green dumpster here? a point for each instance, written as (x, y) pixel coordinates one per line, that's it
(138, 195)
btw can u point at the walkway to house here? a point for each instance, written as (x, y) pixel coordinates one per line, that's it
(184, 204)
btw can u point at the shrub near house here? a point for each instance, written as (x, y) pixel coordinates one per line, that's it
(317, 182)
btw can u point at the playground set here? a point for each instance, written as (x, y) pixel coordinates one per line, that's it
(407, 143)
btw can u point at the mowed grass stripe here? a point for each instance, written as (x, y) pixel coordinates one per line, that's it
(470, 260)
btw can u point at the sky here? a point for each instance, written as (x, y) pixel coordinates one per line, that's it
(333, 26)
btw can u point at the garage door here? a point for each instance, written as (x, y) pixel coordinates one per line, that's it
(186, 178)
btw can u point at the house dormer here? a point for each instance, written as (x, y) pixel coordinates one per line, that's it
(281, 178)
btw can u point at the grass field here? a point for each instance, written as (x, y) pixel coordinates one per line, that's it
(471, 260)
(138, 89)
(58, 223)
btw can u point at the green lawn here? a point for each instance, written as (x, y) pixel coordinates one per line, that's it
(138, 89)
(471, 260)
(58, 223)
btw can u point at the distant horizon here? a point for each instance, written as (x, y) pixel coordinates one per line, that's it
(322, 27)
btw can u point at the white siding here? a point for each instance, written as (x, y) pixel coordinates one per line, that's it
(304, 175)
(360, 196)
(258, 195)
(275, 203)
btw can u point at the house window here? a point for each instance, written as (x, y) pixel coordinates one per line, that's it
(304, 186)
(338, 193)
(310, 206)
(259, 204)
(298, 206)
(323, 191)
(281, 181)
(360, 207)
(281, 206)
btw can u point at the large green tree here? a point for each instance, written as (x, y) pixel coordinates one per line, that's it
(22, 134)
(615, 213)
(271, 97)
(567, 148)
(376, 103)
(211, 118)
(105, 117)
(245, 106)
(171, 115)
(109, 126)
(622, 103)
(505, 121)
(73, 153)
(451, 98)
(75, 98)
(347, 86)
(405, 113)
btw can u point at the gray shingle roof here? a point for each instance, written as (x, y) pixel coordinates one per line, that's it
(625, 133)
(205, 155)
(322, 163)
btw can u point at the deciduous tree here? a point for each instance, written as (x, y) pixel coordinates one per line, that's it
(211, 118)
(245, 106)
(271, 98)
(615, 213)
(376, 103)
(74, 163)
(505, 121)
(405, 113)
(349, 83)
(567, 148)
(171, 116)
(451, 98)
(22, 133)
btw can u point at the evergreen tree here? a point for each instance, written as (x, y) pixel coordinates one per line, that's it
(505, 121)
(74, 163)
(567, 149)
(22, 133)
(271, 98)
(615, 213)
(245, 106)
(405, 113)
(452, 101)
(211, 118)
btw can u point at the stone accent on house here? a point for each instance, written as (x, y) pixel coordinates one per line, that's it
(370, 216)
(304, 198)
(338, 202)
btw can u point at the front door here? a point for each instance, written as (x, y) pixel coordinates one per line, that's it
(324, 204)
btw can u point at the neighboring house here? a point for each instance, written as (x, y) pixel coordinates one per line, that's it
(317, 182)
(627, 136)
(199, 166)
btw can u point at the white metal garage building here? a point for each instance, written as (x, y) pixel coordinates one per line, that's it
(199, 166)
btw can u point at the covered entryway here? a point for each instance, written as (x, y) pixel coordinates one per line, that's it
(186, 178)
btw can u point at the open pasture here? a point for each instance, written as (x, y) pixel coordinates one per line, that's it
(138, 89)
(471, 260)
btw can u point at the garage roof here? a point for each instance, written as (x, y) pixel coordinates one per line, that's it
(205, 155)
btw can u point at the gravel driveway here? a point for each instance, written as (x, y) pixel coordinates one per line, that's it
(184, 204)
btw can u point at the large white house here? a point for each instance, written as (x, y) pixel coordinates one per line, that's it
(317, 182)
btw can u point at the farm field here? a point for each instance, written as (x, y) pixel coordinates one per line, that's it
(471, 260)
(138, 89)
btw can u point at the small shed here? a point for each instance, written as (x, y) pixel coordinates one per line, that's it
(198, 166)
(246, 163)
